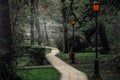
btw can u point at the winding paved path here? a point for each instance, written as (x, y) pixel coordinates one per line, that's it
(67, 71)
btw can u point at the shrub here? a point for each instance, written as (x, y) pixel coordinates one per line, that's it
(38, 54)
(80, 42)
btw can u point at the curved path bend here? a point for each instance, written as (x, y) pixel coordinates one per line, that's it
(67, 71)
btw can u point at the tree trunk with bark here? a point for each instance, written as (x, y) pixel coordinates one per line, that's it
(32, 22)
(37, 23)
(5, 30)
(65, 31)
(104, 40)
(6, 55)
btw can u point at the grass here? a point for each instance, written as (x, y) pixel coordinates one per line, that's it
(47, 51)
(85, 63)
(52, 44)
(39, 74)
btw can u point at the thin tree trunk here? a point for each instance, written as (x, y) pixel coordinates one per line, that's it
(46, 34)
(38, 31)
(65, 31)
(37, 23)
(104, 41)
(32, 22)
(45, 30)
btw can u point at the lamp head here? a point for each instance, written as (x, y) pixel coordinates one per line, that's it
(73, 22)
(96, 6)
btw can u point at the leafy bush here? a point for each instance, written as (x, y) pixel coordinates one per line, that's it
(30, 56)
(114, 63)
(38, 54)
(7, 72)
(79, 44)
(7, 68)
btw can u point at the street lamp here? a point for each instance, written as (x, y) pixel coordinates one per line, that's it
(73, 22)
(96, 9)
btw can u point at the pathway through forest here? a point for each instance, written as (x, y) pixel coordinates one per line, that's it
(67, 71)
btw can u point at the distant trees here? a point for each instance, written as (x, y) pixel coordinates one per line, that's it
(83, 13)
(12, 24)
(19, 20)
(24, 15)
(86, 16)
(34, 5)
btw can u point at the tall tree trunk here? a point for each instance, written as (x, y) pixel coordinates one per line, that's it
(47, 42)
(46, 35)
(32, 32)
(32, 22)
(37, 23)
(104, 41)
(65, 31)
(5, 29)
(5, 43)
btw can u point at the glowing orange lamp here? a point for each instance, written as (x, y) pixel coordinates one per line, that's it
(73, 22)
(96, 6)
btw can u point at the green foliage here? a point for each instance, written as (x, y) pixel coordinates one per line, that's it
(59, 42)
(38, 54)
(47, 50)
(19, 18)
(7, 72)
(2, 52)
(30, 56)
(79, 43)
(114, 63)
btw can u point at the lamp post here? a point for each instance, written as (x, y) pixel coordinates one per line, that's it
(96, 8)
(73, 22)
